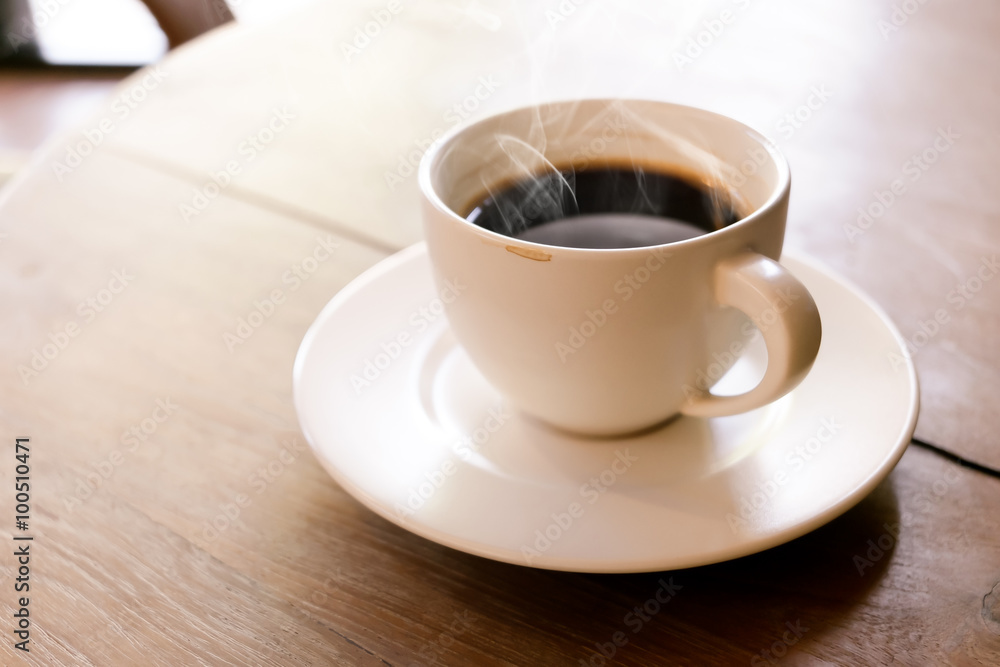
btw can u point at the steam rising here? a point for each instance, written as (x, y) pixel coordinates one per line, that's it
(538, 187)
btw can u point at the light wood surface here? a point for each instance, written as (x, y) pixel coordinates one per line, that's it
(132, 573)
(36, 105)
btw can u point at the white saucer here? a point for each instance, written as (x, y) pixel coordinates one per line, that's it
(697, 492)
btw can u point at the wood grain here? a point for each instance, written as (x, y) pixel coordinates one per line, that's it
(884, 95)
(218, 538)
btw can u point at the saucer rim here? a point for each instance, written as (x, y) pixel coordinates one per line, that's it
(589, 565)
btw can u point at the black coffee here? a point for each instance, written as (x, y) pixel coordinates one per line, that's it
(604, 207)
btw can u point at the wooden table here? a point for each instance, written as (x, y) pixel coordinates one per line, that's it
(178, 516)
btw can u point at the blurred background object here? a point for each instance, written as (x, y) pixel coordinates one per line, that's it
(59, 59)
(81, 33)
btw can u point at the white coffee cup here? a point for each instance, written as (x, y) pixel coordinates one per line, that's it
(611, 341)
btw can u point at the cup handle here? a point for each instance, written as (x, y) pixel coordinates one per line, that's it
(765, 291)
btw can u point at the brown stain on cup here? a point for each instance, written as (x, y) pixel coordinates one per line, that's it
(530, 253)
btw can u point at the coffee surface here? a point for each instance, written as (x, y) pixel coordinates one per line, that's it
(603, 207)
(610, 230)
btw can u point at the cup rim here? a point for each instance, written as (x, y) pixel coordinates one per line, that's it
(430, 157)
